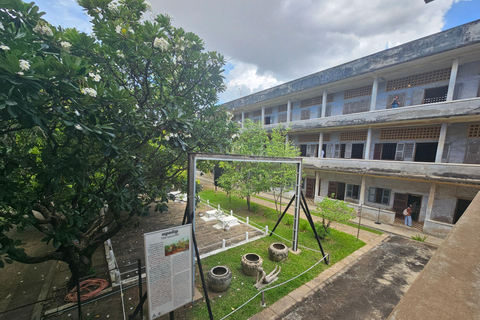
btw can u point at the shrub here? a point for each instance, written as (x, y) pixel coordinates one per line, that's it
(419, 238)
(288, 220)
(303, 225)
(332, 210)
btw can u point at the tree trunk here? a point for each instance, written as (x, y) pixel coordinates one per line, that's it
(248, 202)
(79, 263)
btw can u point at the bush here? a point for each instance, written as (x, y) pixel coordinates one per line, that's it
(303, 225)
(288, 220)
(332, 210)
(321, 231)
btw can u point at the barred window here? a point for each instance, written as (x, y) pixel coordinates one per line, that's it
(305, 114)
(353, 135)
(326, 137)
(268, 110)
(356, 106)
(419, 79)
(474, 131)
(417, 133)
(357, 92)
(257, 113)
(310, 137)
(282, 108)
(282, 117)
(246, 115)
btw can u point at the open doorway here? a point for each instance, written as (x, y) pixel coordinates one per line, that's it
(415, 202)
(462, 205)
(426, 152)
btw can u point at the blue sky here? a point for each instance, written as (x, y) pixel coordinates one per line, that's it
(269, 42)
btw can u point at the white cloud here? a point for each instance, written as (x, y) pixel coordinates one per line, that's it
(244, 79)
(65, 13)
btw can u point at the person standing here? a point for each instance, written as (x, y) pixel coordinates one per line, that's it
(408, 216)
(395, 103)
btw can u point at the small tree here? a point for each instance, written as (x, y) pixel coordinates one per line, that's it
(280, 176)
(332, 210)
(244, 179)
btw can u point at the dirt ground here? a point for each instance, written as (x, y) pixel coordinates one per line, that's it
(369, 288)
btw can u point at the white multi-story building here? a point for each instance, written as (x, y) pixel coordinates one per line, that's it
(362, 148)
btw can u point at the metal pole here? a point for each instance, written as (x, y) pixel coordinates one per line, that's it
(79, 299)
(296, 217)
(263, 299)
(192, 164)
(140, 286)
(378, 217)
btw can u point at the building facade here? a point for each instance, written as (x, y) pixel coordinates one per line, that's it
(397, 128)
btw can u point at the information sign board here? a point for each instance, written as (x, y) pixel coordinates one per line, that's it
(168, 260)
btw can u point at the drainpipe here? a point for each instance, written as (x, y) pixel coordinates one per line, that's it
(441, 143)
(453, 78)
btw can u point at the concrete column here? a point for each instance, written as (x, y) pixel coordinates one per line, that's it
(263, 116)
(441, 143)
(368, 144)
(453, 78)
(243, 117)
(373, 101)
(289, 109)
(317, 184)
(287, 139)
(361, 199)
(431, 198)
(320, 145)
(324, 103)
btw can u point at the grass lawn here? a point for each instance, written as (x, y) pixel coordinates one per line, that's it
(339, 245)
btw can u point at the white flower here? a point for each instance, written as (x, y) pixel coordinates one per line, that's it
(120, 54)
(148, 5)
(179, 58)
(65, 45)
(78, 127)
(89, 91)
(167, 138)
(161, 43)
(118, 29)
(130, 30)
(24, 65)
(4, 47)
(77, 113)
(97, 78)
(43, 30)
(112, 7)
(20, 73)
(1, 26)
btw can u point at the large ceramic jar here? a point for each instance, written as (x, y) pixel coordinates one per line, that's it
(219, 278)
(278, 251)
(250, 264)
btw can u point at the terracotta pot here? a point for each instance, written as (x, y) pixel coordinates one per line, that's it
(250, 264)
(219, 278)
(278, 251)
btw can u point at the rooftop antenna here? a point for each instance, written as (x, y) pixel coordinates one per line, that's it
(239, 89)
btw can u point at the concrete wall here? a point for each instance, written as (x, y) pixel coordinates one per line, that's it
(448, 286)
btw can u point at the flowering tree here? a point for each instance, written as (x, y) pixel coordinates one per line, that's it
(94, 120)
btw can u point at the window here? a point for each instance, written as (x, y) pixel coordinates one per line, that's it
(435, 95)
(419, 79)
(353, 191)
(379, 195)
(305, 115)
(357, 92)
(282, 117)
(415, 133)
